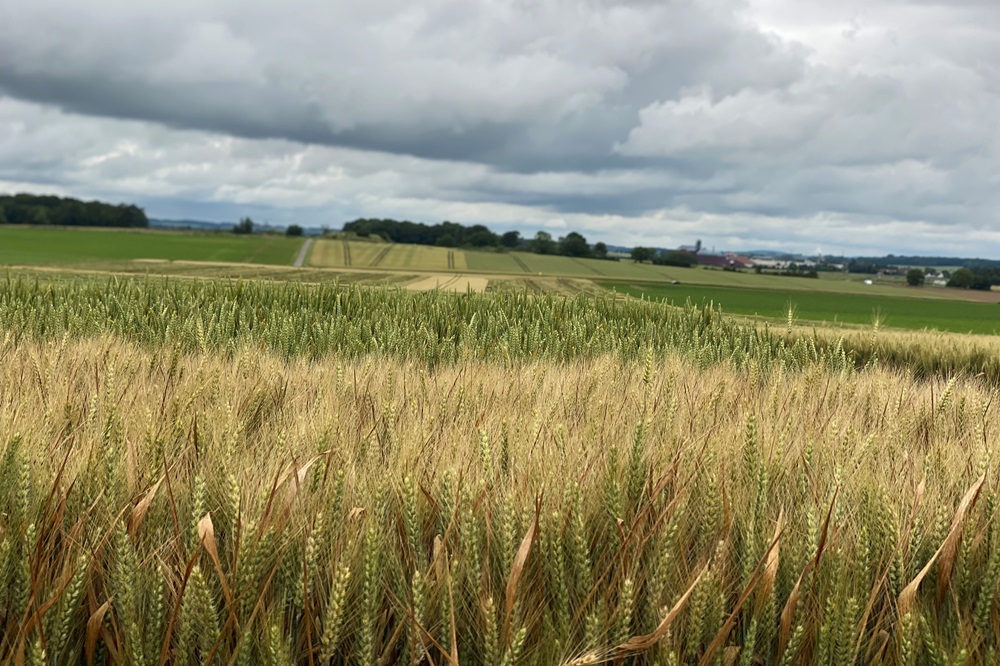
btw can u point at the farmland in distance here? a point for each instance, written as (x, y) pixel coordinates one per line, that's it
(909, 312)
(48, 246)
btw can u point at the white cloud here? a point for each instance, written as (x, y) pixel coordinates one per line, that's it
(749, 120)
(764, 123)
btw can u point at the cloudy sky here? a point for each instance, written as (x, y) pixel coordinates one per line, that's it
(849, 126)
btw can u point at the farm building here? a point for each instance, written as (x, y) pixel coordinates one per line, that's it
(728, 260)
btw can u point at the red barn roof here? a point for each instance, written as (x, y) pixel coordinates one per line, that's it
(725, 261)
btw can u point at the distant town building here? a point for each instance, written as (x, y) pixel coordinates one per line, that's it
(728, 260)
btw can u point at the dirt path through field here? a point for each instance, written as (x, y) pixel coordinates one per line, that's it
(299, 260)
(458, 283)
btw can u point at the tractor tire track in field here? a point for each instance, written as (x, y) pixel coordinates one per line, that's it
(517, 260)
(587, 266)
(458, 283)
(380, 256)
(268, 242)
(533, 286)
(566, 286)
(451, 260)
(347, 253)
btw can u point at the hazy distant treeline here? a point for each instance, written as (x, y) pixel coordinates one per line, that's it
(447, 234)
(450, 234)
(60, 211)
(873, 264)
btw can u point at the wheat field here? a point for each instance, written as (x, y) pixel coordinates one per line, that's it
(398, 478)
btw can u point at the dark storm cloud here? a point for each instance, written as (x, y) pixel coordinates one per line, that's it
(747, 120)
(247, 113)
(517, 85)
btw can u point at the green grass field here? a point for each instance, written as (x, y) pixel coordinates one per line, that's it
(330, 253)
(33, 245)
(896, 311)
(834, 297)
(493, 262)
(559, 266)
(336, 253)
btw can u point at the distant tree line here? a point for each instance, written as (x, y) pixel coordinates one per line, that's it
(981, 274)
(244, 226)
(66, 212)
(875, 264)
(792, 270)
(452, 234)
(864, 266)
(975, 278)
(663, 257)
